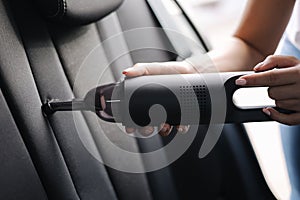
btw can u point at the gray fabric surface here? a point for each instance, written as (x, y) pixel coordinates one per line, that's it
(21, 94)
(76, 12)
(83, 75)
(18, 177)
(90, 180)
(145, 42)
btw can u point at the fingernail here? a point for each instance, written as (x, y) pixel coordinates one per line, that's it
(257, 67)
(129, 130)
(127, 70)
(267, 112)
(164, 129)
(148, 130)
(166, 133)
(180, 129)
(241, 81)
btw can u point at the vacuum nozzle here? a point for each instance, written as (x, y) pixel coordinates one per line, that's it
(51, 106)
(97, 100)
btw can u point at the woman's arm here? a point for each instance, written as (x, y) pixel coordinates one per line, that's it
(257, 35)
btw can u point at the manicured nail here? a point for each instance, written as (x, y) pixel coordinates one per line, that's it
(148, 130)
(164, 129)
(127, 70)
(129, 130)
(162, 133)
(257, 67)
(267, 112)
(240, 81)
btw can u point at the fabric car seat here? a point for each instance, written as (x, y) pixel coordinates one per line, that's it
(43, 46)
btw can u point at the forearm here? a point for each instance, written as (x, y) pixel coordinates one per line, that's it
(256, 37)
(236, 55)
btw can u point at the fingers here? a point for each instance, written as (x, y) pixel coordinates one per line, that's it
(182, 129)
(288, 119)
(274, 77)
(129, 130)
(140, 69)
(165, 129)
(146, 131)
(159, 69)
(276, 61)
(284, 92)
(290, 104)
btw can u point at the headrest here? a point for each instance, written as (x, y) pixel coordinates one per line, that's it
(77, 12)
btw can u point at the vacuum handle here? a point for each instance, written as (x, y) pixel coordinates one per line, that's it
(235, 114)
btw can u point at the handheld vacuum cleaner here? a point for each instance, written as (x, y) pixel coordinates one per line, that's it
(155, 99)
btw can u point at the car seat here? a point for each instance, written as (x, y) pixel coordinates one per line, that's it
(43, 46)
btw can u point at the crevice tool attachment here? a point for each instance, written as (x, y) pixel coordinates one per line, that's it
(51, 106)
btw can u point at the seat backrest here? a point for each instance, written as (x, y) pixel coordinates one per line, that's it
(59, 157)
(49, 57)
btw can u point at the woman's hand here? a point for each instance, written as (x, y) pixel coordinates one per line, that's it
(158, 68)
(140, 69)
(284, 86)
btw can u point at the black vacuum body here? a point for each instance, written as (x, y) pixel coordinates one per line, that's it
(174, 99)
